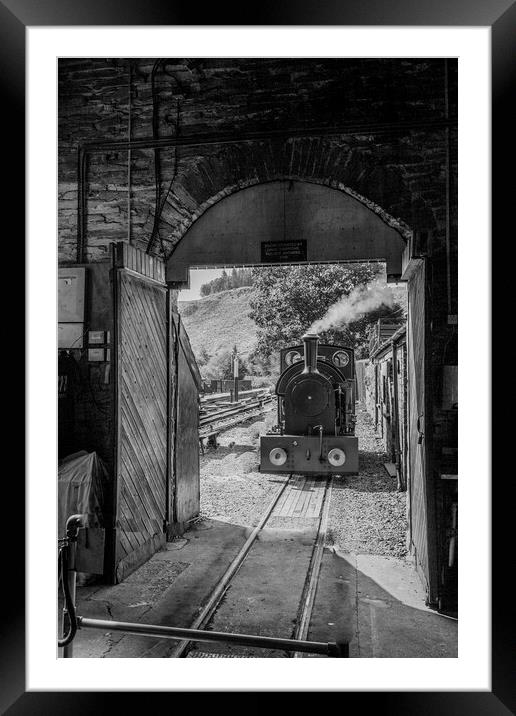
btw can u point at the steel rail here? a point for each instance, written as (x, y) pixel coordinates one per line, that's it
(244, 394)
(221, 412)
(227, 413)
(220, 589)
(314, 569)
(166, 632)
(224, 399)
(188, 635)
(226, 425)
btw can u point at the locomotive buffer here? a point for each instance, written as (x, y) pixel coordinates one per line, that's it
(315, 433)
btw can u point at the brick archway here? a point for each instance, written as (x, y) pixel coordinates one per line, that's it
(335, 222)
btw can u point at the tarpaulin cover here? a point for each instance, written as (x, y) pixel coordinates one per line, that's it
(81, 478)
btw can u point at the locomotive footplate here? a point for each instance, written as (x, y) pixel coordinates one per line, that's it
(303, 454)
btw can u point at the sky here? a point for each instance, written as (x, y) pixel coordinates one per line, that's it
(197, 278)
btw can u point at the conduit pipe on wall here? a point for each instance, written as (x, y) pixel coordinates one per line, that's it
(448, 184)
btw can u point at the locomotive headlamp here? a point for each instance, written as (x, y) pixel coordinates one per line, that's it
(278, 456)
(336, 457)
(293, 357)
(340, 359)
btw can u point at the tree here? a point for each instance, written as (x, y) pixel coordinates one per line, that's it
(289, 299)
(203, 357)
(220, 366)
(237, 278)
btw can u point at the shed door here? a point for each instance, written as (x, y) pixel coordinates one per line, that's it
(140, 501)
(187, 489)
(421, 526)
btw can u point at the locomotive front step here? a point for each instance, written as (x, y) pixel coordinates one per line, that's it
(306, 454)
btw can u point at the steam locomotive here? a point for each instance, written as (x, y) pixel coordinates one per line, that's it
(315, 433)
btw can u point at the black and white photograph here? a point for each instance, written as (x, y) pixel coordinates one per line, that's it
(258, 282)
(258, 331)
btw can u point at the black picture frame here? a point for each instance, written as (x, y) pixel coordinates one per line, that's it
(500, 16)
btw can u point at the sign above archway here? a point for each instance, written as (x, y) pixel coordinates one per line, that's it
(287, 222)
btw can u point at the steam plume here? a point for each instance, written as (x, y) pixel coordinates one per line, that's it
(357, 303)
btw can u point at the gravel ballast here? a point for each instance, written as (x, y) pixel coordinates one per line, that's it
(367, 514)
(232, 488)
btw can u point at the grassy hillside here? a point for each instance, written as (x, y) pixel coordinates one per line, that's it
(220, 321)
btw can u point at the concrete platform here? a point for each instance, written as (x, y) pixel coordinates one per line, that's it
(378, 605)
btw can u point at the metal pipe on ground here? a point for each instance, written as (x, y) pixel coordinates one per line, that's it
(164, 632)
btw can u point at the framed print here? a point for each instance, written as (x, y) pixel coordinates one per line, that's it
(322, 141)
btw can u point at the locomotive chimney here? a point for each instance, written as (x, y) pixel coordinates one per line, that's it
(310, 341)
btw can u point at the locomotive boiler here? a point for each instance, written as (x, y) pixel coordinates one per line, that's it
(315, 432)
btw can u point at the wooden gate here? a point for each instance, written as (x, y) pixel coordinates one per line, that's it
(141, 409)
(186, 443)
(422, 533)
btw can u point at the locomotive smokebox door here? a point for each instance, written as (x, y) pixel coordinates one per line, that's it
(308, 402)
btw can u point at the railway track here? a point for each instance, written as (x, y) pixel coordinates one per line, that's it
(225, 417)
(306, 598)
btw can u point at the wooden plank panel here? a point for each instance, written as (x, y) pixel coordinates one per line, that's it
(316, 502)
(304, 496)
(144, 458)
(140, 499)
(416, 392)
(131, 376)
(311, 509)
(123, 546)
(278, 510)
(187, 496)
(124, 521)
(132, 512)
(142, 414)
(147, 304)
(143, 429)
(132, 531)
(295, 494)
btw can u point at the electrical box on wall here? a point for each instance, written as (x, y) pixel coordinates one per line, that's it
(70, 335)
(450, 397)
(98, 337)
(96, 354)
(71, 284)
(98, 342)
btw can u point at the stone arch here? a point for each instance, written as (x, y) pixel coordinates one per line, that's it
(335, 222)
(398, 175)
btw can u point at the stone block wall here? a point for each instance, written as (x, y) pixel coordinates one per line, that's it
(390, 147)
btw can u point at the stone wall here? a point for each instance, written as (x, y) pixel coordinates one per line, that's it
(390, 148)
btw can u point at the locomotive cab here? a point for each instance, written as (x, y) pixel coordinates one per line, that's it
(316, 412)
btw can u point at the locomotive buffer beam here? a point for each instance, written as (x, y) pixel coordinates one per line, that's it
(302, 454)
